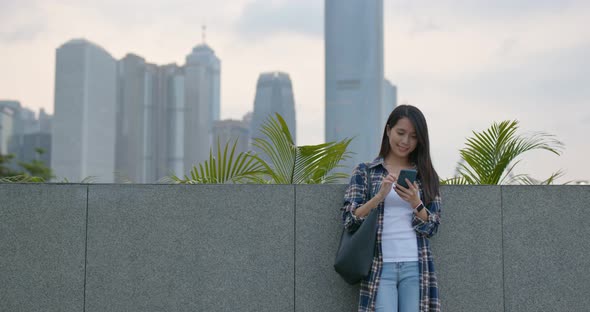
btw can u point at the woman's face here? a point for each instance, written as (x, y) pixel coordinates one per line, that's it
(402, 138)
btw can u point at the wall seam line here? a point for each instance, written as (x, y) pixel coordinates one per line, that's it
(502, 248)
(294, 247)
(86, 245)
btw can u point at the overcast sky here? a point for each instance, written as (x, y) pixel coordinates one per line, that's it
(465, 64)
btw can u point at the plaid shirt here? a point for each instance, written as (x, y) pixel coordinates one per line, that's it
(356, 195)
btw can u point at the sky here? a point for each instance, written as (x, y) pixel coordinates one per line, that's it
(464, 63)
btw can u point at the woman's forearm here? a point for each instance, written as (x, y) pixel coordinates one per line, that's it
(366, 208)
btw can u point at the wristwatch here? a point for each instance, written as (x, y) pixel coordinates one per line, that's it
(419, 207)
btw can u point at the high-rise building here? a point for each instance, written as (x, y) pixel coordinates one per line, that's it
(170, 157)
(11, 129)
(202, 102)
(30, 124)
(389, 100)
(150, 118)
(228, 131)
(26, 134)
(274, 94)
(135, 114)
(247, 118)
(34, 141)
(37, 136)
(7, 128)
(44, 121)
(83, 132)
(354, 76)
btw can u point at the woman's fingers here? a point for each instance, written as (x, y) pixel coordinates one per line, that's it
(409, 193)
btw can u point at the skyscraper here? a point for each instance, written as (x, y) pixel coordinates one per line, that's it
(170, 156)
(228, 131)
(202, 102)
(274, 94)
(354, 75)
(37, 135)
(12, 127)
(83, 134)
(389, 100)
(21, 134)
(150, 118)
(135, 120)
(7, 128)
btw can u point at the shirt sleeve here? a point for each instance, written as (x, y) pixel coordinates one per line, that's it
(429, 227)
(355, 196)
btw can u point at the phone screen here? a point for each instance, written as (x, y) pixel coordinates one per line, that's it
(404, 174)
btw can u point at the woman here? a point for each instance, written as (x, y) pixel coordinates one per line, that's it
(402, 274)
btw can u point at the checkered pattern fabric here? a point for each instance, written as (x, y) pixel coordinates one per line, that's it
(365, 182)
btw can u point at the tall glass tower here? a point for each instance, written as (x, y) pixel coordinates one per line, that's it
(353, 33)
(83, 134)
(389, 100)
(274, 94)
(202, 102)
(150, 120)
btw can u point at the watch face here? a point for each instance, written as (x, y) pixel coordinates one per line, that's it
(420, 207)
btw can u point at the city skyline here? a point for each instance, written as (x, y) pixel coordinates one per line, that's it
(465, 65)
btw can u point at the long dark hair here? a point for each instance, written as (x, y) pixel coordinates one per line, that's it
(421, 155)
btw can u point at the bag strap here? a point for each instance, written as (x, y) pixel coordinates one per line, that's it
(369, 181)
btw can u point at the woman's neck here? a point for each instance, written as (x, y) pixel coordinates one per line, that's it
(395, 161)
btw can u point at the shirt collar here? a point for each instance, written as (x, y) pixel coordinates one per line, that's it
(376, 161)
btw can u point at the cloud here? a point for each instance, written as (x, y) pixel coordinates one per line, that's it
(477, 9)
(548, 79)
(21, 21)
(23, 32)
(265, 18)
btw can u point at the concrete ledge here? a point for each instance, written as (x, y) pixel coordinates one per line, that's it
(271, 248)
(317, 286)
(190, 248)
(546, 248)
(42, 245)
(468, 249)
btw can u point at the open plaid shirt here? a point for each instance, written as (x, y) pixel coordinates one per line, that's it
(358, 192)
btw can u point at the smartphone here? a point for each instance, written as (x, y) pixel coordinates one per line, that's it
(404, 174)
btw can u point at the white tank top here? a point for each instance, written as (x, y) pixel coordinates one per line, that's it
(398, 240)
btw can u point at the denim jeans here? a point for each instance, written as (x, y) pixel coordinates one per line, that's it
(399, 288)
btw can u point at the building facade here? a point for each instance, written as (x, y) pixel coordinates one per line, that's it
(150, 119)
(354, 76)
(202, 102)
(84, 127)
(389, 100)
(231, 131)
(274, 94)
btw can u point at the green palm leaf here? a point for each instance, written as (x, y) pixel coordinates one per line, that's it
(223, 169)
(490, 156)
(287, 163)
(280, 162)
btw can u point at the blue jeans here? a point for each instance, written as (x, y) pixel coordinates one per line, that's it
(399, 288)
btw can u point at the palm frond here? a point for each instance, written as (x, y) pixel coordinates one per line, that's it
(89, 179)
(224, 168)
(291, 164)
(490, 156)
(455, 181)
(22, 179)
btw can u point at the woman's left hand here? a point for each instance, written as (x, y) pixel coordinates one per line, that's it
(410, 194)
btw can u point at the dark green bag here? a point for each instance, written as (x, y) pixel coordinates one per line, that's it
(354, 257)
